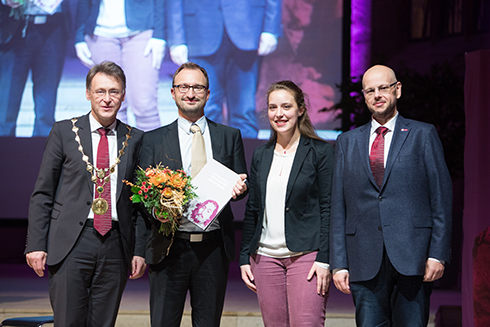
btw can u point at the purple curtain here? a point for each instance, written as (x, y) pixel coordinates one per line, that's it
(476, 218)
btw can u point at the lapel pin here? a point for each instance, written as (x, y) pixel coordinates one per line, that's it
(404, 130)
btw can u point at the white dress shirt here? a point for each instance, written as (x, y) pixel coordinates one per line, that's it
(113, 153)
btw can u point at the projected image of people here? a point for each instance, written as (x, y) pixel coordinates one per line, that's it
(32, 39)
(227, 38)
(131, 34)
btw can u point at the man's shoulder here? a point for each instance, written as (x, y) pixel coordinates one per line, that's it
(406, 123)
(353, 132)
(161, 130)
(224, 129)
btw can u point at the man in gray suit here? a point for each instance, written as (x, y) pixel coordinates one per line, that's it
(391, 210)
(80, 214)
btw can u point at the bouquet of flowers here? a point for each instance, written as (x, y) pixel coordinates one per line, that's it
(163, 192)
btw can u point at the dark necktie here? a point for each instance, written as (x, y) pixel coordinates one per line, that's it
(103, 223)
(377, 156)
(198, 151)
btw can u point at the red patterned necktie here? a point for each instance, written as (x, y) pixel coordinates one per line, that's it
(103, 223)
(377, 155)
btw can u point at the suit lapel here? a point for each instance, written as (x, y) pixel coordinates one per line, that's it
(400, 134)
(363, 144)
(171, 146)
(216, 142)
(121, 130)
(84, 133)
(264, 168)
(304, 147)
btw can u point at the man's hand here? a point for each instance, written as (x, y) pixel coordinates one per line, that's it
(159, 218)
(322, 278)
(179, 54)
(248, 277)
(37, 261)
(268, 44)
(239, 187)
(84, 54)
(157, 48)
(433, 271)
(138, 267)
(341, 281)
(12, 3)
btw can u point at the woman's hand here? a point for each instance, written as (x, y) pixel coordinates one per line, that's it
(322, 278)
(248, 277)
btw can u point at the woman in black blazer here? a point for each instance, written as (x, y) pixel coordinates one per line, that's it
(284, 252)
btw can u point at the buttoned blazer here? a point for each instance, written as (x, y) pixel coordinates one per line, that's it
(141, 15)
(410, 215)
(162, 146)
(63, 193)
(307, 206)
(200, 24)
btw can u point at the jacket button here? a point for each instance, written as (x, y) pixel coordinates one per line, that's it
(80, 223)
(380, 198)
(287, 209)
(89, 203)
(380, 228)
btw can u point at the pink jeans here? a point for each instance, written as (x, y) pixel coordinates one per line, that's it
(141, 77)
(286, 297)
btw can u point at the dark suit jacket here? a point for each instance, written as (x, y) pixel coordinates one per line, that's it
(201, 23)
(307, 207)
(162, 146)
(410, 215)
(63, 192)
(141, 15)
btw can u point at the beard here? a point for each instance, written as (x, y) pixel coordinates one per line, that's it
(195, 111)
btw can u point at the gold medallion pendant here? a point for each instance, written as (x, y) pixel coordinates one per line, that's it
(100, 206)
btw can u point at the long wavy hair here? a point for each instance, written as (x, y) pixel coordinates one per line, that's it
(304, 123)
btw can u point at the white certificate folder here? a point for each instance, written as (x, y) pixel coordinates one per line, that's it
(214, 185)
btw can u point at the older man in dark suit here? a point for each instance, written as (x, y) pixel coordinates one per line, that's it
(226, 37)
(198, 260)
(391, 210)
(80, 215)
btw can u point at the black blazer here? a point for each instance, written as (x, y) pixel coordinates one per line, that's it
(307, 207)
(63, 192)
(162, 146)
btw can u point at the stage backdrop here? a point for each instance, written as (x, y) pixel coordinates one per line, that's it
(308, 52)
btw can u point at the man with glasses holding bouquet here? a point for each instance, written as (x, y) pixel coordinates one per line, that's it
(194, 259)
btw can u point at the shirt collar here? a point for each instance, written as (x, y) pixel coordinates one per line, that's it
(95, 125)
(390, 124)
(186, 125)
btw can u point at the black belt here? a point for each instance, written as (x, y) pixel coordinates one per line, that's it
(90, 223)
(198, 237)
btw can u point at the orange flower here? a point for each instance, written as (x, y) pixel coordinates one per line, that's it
(167, 192)
(149, 172)
(159, 178)
(177, 181)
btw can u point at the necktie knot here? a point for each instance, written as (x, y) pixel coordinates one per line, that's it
(103, 131)
(381, 130)
(195, 128)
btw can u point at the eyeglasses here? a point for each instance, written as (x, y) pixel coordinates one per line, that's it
(382, 89)
(184, 88)
(112, 93)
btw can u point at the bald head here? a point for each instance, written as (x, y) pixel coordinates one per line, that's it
(378, 71)
(381, 92)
